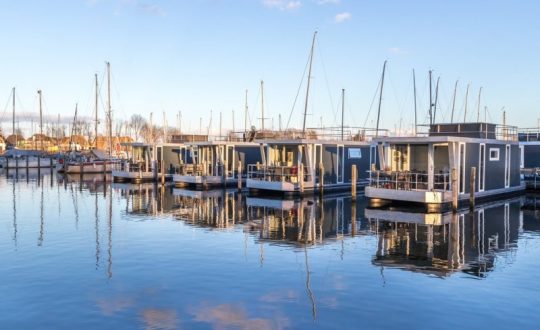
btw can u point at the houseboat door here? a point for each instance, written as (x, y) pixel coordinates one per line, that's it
(317, 157)
(340, 163)
(230, 161)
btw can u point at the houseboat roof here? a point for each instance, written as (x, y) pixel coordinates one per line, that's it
(220, 143)
(313, 141)
(439, 139)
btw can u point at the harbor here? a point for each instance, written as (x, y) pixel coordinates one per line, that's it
(290, 263)
(269, 164)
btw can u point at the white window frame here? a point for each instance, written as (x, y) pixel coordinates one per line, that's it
(340, 164)
(482, 169)
(462, 167)
(497, 157)
(507, 153)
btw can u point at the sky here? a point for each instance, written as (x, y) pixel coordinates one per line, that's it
(199, 57)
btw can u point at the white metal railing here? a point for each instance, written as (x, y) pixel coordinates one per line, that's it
(406, 180)
(277, 173)
(529, 134)
(200, 169)
(486, 131)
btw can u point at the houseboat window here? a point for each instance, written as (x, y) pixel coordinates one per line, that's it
(400, 158)
(355, 153)
(340, 165)
(281, 155)
(494, 154)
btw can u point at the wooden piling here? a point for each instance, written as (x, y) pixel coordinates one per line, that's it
(354, 176)
(301, 177)
(353, 217)
(239, 175)
(472, 187)
(455, 191)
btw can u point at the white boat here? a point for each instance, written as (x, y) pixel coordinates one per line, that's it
(94, 161)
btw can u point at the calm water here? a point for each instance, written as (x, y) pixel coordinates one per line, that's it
(85, 255)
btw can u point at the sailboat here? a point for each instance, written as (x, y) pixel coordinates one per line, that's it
(15, 158)
(92, 161)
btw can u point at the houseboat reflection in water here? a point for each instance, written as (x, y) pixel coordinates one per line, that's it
(304, 221)
(441, 244)
(211, 208)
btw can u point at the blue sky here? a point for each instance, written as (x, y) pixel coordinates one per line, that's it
(200, 56)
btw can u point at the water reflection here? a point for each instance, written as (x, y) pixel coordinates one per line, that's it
(302, 259)
(213, 209)
(441, 244)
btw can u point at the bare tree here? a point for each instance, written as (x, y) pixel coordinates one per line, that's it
(137, 123)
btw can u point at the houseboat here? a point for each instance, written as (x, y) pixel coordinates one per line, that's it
(529, 144)
(150, 163)
(419, 169)
(306, 166)
(216, 163)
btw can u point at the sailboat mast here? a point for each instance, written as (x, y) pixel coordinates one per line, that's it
(430, 100)
(380, 100)
(454, 102)
(342, 111)
(436, 100)
(415, 114)
(246, 114)
(478, 110)
(40, 122)
(466, 103)
(109, 111)
(262, 106)
(13, 128)
(308, 83)
(96, 119)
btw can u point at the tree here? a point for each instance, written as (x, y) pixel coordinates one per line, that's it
(136, 124)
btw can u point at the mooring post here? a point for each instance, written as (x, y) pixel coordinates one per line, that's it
(472, 187)
(301, 177)
(455, 191)
(354, 175)
(321, 178)
(239, 174)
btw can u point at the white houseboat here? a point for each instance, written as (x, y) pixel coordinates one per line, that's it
(419, 169)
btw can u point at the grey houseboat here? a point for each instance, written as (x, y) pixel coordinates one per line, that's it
(215, 164)
(149, 163)
(419, 169)
(305, 166)
(529, 144)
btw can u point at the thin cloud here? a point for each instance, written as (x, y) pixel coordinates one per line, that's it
(342, 17)
(328, 2)
(397, 51)
(282, 4)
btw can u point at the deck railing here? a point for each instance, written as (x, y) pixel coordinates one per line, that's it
(200, 169)
(277, 173)
(406, 180)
